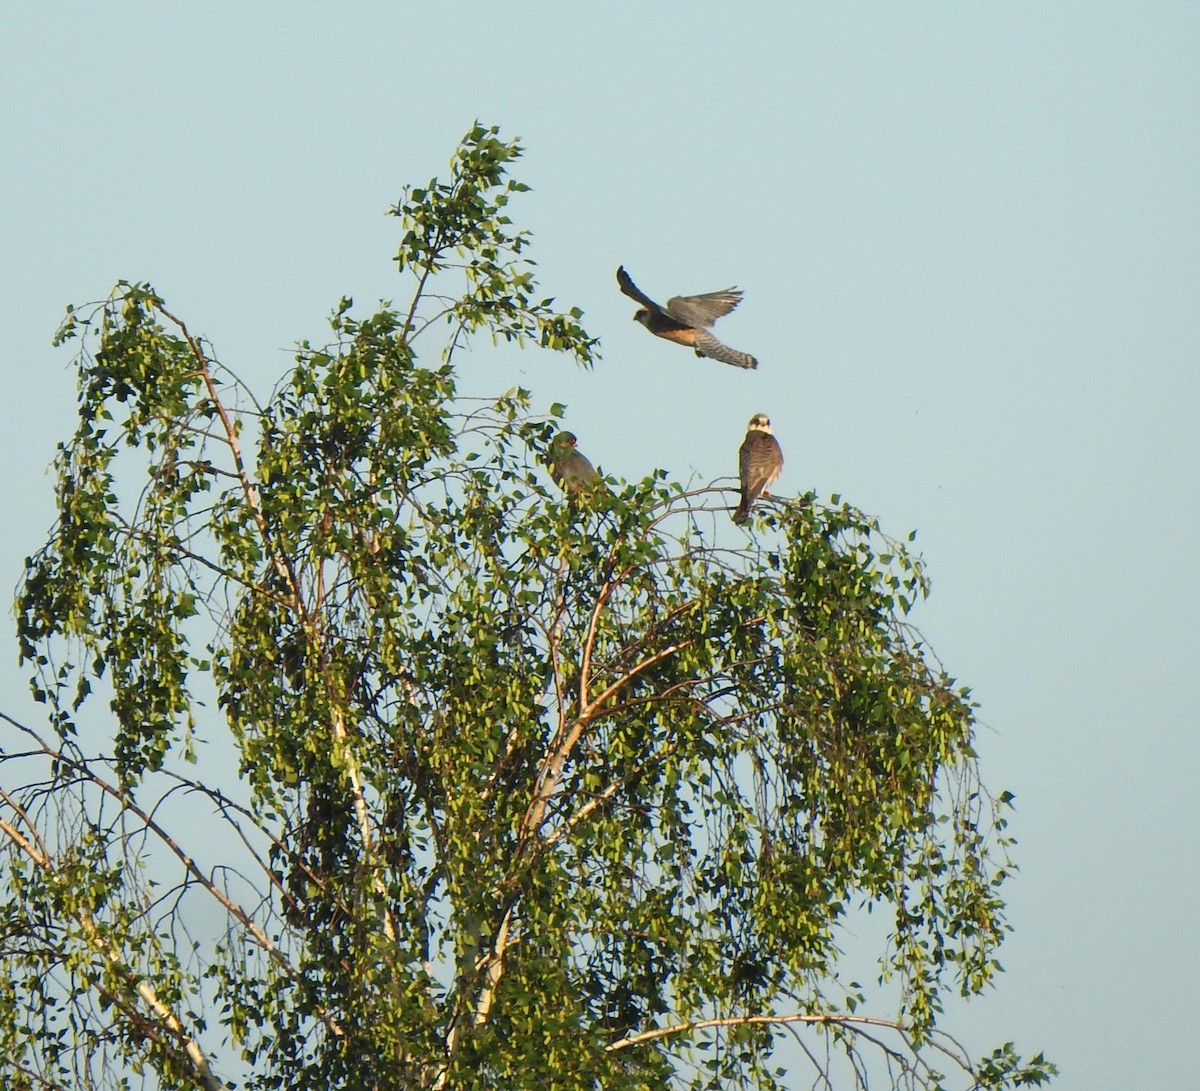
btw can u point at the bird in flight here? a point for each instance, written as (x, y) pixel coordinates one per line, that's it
(570, 468)
(686, 319)
(760, 462)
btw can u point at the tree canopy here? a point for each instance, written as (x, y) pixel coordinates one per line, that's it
(503, 787)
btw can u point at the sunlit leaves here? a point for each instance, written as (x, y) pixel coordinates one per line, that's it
(461, 224)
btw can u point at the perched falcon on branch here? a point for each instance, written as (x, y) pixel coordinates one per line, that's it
(573, 472)
(686, 318)
(760, 462)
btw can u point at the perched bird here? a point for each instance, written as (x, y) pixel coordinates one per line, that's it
(760, 462)
(686, 318)
(573, 472)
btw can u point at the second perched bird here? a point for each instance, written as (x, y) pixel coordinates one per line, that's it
(573, 472)
(760, 462)
(686, 318)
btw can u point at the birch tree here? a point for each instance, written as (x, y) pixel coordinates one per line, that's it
(519, 790)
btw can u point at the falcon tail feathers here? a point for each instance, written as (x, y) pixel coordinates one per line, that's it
(707, 345)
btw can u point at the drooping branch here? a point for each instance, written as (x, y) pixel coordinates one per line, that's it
(40, 853)
(279, 560)
(196, 1060)
(912, 1061)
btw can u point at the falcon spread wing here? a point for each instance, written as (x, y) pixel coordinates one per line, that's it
(634, 292)
(703, 310)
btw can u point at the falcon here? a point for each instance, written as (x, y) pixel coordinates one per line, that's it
(571, 469)
(760, 462)
(686, 318)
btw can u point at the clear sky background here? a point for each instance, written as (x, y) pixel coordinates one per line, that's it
(969, 239)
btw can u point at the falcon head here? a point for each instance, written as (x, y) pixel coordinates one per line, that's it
(562, 443)
(759, 423)
(642, 316)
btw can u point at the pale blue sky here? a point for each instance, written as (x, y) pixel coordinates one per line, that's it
(969, 239)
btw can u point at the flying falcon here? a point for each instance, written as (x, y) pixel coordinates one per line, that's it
(686, 318)
(573, 472)
(760, 462)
